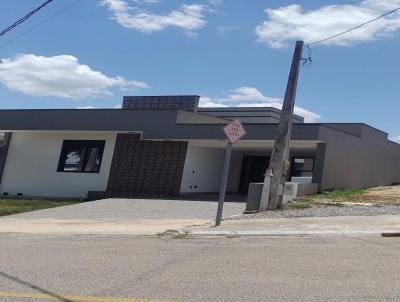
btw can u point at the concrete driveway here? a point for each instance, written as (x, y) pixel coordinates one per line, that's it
(117, 217)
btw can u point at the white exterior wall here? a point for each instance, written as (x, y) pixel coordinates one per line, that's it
(32, 162)
(203, 170)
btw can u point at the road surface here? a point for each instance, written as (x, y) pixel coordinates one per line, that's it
(106, 268)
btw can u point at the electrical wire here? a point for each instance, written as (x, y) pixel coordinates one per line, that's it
(24, 18)
(356, 27)
(40, 23)
(309, 60)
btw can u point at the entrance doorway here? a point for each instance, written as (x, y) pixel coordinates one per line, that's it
(253, 170)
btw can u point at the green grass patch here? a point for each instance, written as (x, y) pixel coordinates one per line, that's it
(181, 236)
(15, 206)
(343, 193)
(299, 204)
(307, 203)
(331, 204)
(337, 198)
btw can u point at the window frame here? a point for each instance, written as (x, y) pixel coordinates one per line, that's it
(307, 170)
(100, 144)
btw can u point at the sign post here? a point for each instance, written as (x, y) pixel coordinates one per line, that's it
(234, 131)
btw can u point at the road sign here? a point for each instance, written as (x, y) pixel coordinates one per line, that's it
(234, 131)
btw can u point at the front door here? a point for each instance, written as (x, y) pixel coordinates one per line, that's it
(253, 170)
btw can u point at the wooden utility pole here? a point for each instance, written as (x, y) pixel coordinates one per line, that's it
(276, 174)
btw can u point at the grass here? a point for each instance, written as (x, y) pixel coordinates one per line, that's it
(343, 193)
(181, 236)
(299, 204)
(335, 198)
(15, 206)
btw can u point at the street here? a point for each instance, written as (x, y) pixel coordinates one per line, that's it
(108, 268)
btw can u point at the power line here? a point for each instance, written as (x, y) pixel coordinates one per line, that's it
(41, 23)
(309, 60)
(24, 18)
(356, 27)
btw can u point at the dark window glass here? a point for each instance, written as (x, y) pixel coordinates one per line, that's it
(302, 166)
(81, 156)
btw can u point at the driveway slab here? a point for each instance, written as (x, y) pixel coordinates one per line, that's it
(117, 216)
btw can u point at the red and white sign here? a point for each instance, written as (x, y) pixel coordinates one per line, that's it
(234, 131)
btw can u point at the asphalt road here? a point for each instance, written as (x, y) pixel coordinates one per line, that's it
(86, 268)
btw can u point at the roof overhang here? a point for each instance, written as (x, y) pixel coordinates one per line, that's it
(154, 124)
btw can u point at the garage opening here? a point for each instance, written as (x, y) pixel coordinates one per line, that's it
(253, 170)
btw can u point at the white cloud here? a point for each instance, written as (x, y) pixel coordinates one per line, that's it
(396, 139)
(252, 94)
(208, 102)
(86, 107)
(59, 76)
(189, 17)
(216, 2)
(252, 97)
(147, 1)
(119, 106)
(292, 22)
(224, 29)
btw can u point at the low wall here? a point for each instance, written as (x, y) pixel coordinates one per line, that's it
(300, 189)
(305, 189)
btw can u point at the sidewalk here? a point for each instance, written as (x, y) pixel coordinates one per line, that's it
(315, 226)
(138, 227)
(135, 217)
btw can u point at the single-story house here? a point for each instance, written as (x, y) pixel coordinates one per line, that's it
(167, 145)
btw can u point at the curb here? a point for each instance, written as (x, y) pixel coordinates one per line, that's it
(391, 234)
(340, 233)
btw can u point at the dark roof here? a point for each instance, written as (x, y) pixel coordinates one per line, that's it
(241, 109)
(154, 124)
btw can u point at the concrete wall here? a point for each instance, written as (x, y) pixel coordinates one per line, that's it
(31, 165)
(359, 161)
(203, 170)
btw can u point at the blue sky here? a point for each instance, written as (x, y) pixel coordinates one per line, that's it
(231, 52)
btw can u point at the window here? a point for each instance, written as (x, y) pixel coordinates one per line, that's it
(302, 166)
(81, 156)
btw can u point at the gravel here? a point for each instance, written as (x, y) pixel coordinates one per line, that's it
(325, 211)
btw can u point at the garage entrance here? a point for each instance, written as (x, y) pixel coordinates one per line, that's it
(253, 170)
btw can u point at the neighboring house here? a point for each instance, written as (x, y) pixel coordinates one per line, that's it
(166, 145)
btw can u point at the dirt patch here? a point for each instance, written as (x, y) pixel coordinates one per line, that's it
(389, 194)
(378, 196)
(369, 202)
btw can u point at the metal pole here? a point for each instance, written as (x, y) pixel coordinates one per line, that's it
(224, 183)
(280, 153)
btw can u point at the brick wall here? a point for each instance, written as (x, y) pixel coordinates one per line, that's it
(143, 168)
(182, 102)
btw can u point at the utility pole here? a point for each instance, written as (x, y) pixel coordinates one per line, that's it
(279, 165)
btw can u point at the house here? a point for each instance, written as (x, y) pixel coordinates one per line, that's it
(167, 145)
